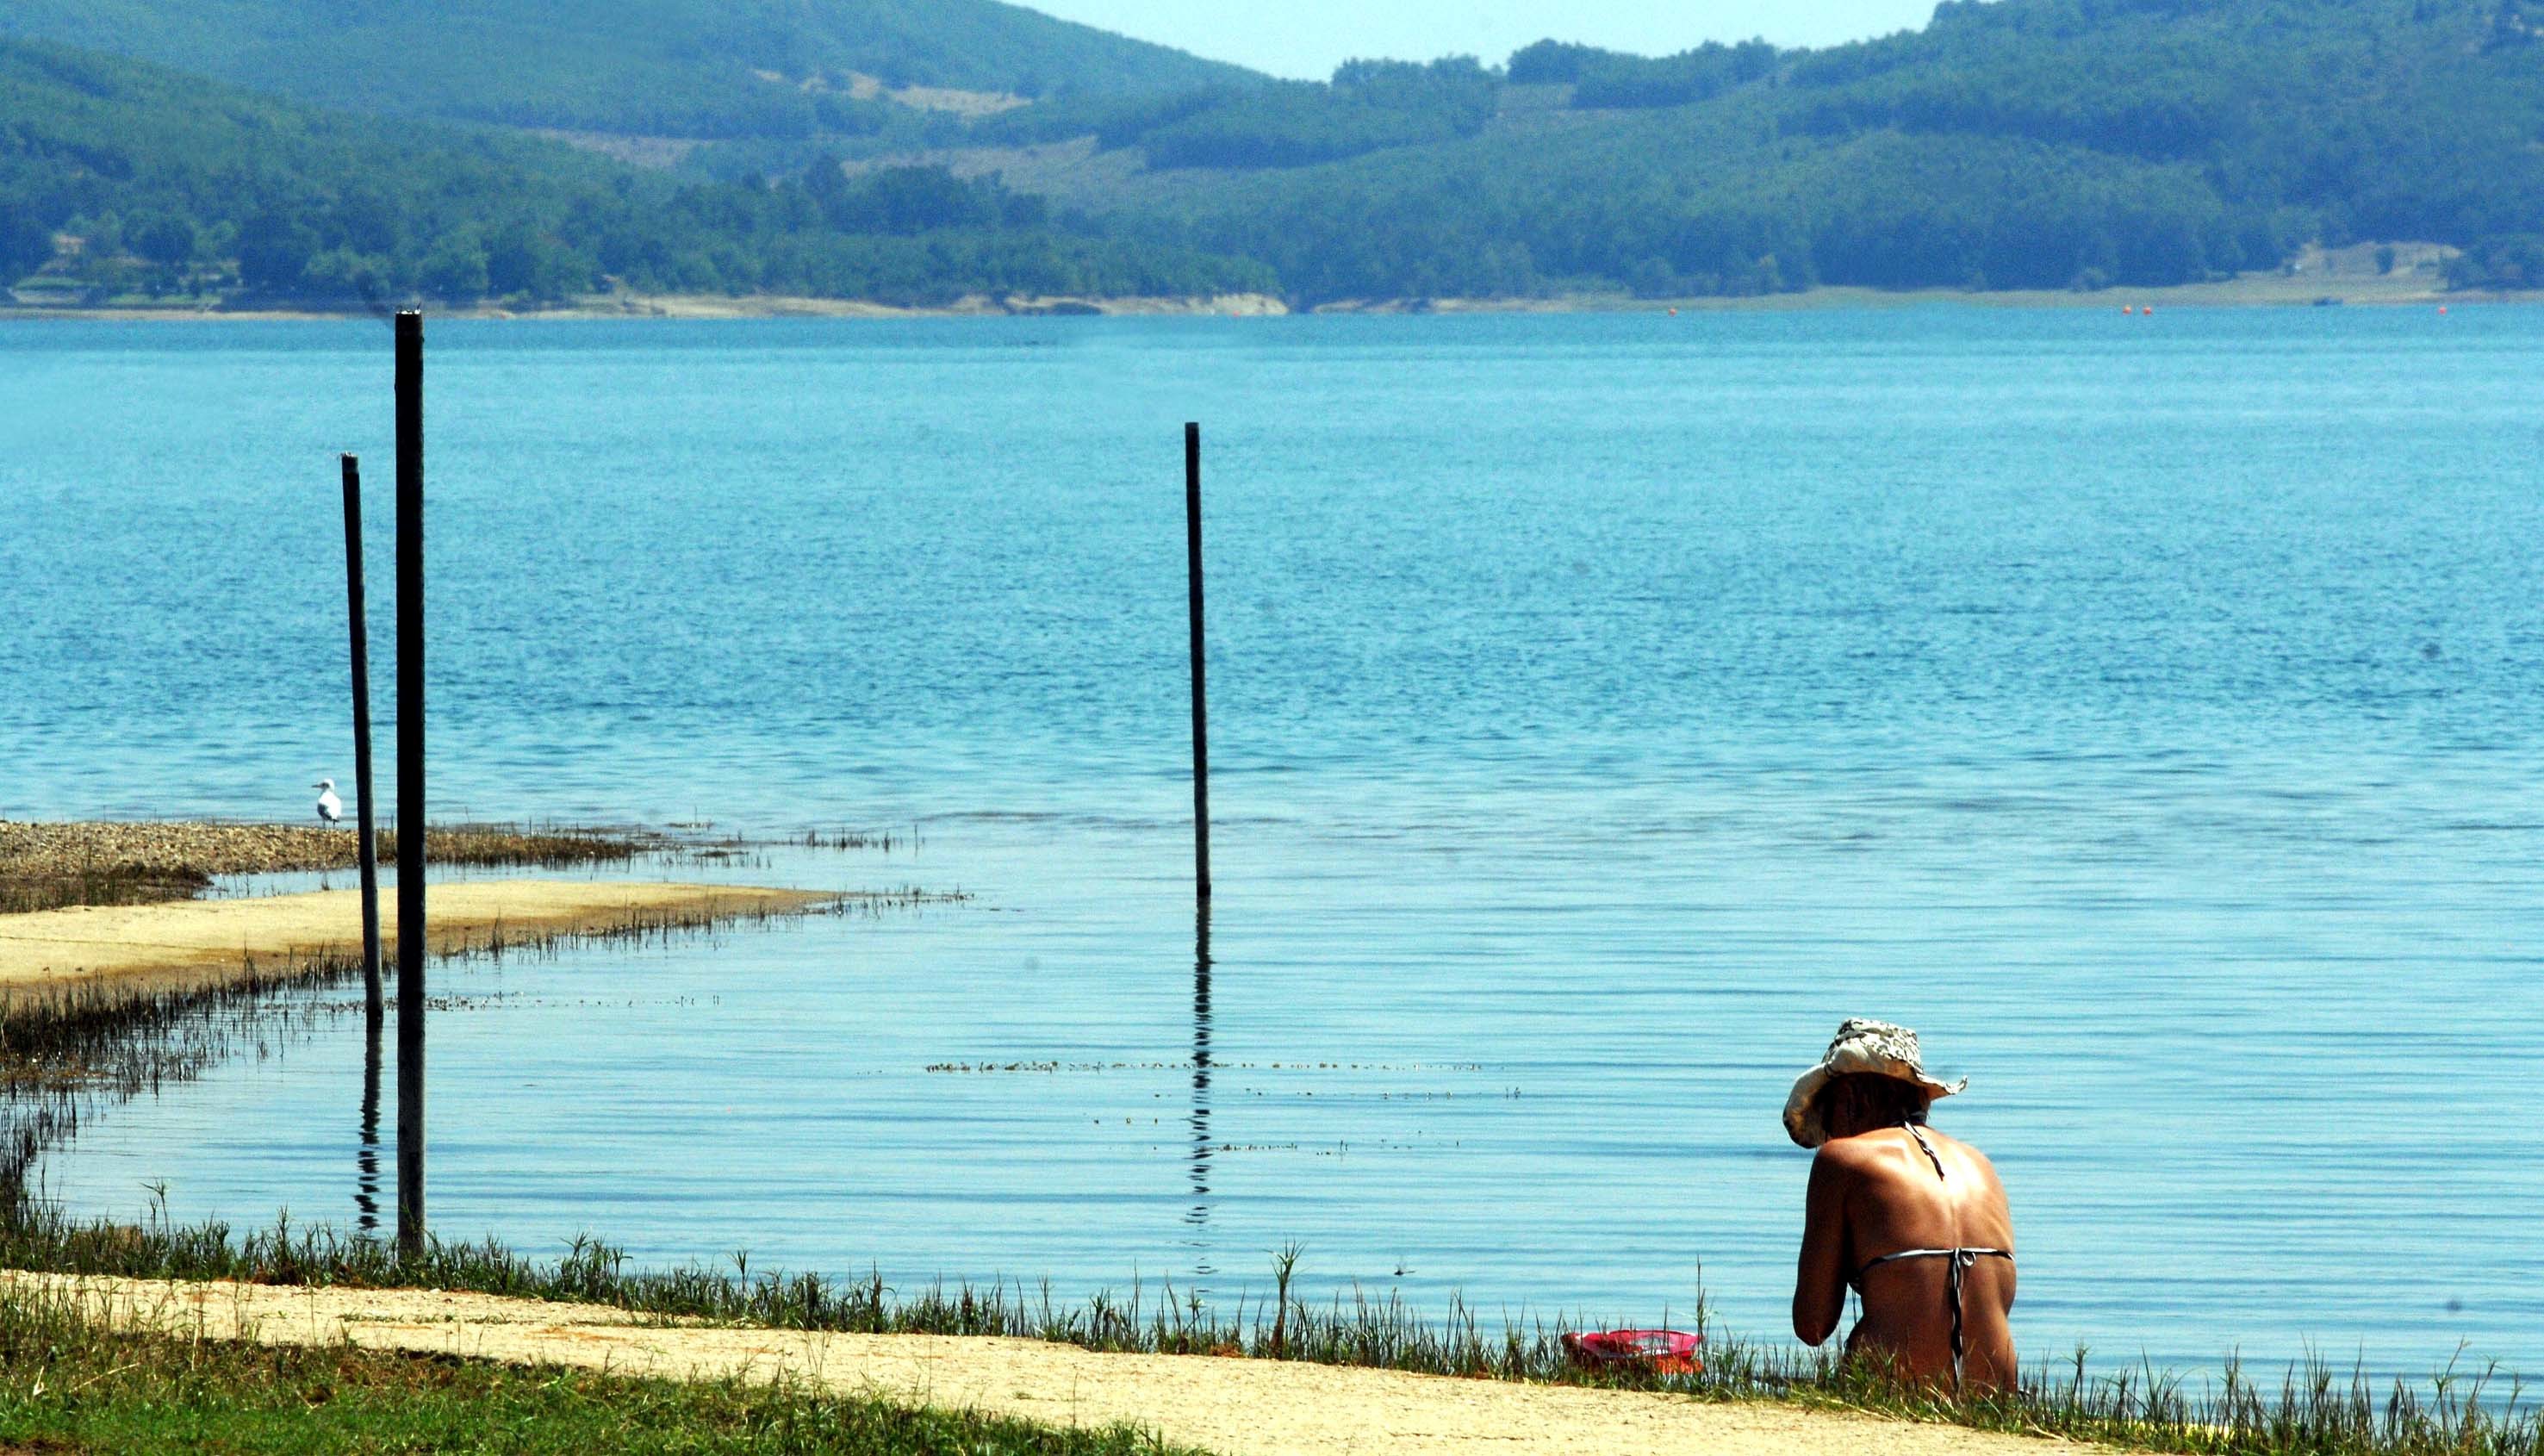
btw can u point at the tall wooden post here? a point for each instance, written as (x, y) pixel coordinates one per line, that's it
(367, 1153)
(366, 807)
(1199, 694)
(411, 802)
(1200, 1210)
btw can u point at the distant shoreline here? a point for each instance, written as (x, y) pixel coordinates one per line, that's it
(2237, 293)
(698, 306)
(2258, 291)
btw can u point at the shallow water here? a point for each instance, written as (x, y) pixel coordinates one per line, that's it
(1602, 708)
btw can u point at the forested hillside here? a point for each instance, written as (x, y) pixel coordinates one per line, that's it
(2015, 144)
(2023, 144)
(118, 177)
(691, 68)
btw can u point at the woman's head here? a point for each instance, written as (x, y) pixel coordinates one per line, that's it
(1862, 1102)
(1875, 1052)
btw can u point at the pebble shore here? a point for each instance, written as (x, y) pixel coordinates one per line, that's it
(54, 850)
(55, 866)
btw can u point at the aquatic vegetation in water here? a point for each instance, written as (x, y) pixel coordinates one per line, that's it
(858, 838)
(68, 1048)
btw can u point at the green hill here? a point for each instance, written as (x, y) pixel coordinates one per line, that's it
(2016, 143)
(698, 68)
(121, 178)
(2031, 143)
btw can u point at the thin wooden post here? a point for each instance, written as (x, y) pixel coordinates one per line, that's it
(410, 800)
(1200, 694)
(1200, 1211)
(366, 1155)
(364, 807)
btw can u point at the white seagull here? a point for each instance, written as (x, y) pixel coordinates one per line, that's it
(331, 809)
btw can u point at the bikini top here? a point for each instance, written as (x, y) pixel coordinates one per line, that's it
(1958, 1265)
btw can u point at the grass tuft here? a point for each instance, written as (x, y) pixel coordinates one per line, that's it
(68, 1383)
(2311, 1410)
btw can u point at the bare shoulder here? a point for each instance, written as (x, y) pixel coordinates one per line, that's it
(1976, 1161)
(1842, 1156)
(1965, 1150)
(1866, 1160)
(1939, 1136)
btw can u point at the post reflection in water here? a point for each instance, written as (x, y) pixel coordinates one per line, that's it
(1199, 1214)
(367, 1157)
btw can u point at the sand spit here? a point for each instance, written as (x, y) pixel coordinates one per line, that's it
(49, 867)
(112, 953)
(1231, 1407)
(170, 849)
(153, 846)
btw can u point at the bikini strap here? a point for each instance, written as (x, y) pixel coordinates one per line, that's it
(1958, 1261)
(1956, 1267)
(1963, 1259)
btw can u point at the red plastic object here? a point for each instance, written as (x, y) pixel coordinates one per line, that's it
(1651, 1351)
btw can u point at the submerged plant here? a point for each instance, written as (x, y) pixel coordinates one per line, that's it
(69, 1047)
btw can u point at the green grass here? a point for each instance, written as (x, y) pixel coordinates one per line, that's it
(2310, 1410)
(67, 1383)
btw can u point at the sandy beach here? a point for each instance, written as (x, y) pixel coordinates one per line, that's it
(1230, 1405)
(705, 306)
(2348, 276)
(143, 950)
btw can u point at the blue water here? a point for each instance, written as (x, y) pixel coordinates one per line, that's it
(1602, 708)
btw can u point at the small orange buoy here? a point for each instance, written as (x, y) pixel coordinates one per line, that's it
(2442, 308)
(1674, 312)
(2124, 308)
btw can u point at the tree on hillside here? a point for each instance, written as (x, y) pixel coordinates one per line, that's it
(1608, 80)
(164, 239)
(25, 242)
(457, 269)
(1553, 62)
(275, 249)
(522, 261)
(2511, 262)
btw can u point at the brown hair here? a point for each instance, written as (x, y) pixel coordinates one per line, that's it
(1868, 1100)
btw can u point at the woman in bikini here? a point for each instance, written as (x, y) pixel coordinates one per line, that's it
(1912, 1220)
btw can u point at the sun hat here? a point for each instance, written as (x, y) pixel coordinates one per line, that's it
(1863, 1046)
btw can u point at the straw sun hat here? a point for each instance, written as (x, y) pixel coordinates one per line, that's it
(1861, 1047)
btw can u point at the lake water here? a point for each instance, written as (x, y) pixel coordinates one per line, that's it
(2143, 708)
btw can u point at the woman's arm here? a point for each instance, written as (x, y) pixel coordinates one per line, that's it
(1819, 1286)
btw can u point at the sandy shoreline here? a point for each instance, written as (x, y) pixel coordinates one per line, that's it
(73, 848)
(2258, 291)
(135, 951)
(707, 307)
(1228, 1405)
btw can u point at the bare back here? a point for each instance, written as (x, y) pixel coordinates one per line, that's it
(1882, 1219)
